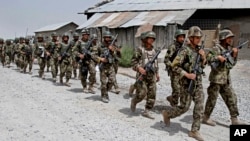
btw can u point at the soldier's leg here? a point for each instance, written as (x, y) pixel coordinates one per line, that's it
(25, 62)
(7, 60)
(68, 74)
(111, 78)
(83, 70)
(22, 64)
(62, 71)
(230, 99)
(53, 69)
(48, 64)
(198, 99)
(141, 92)
(74, 63)
(212, 92)
(30, 65)
(104, 91)
(92, 77)
(42, 67)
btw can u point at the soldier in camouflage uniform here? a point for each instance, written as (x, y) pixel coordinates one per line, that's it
(65, 57)
(40, 54)
(15, 54)
(77, 50)
(220, 80)
(8, 47)
(2, 51)
(51, 52)
(171, 53)
(26, 55)
(117, 54)
(94, 49)
(183, 65)
(74, 63)
(107, 72)
(146, 85)
(132, 87)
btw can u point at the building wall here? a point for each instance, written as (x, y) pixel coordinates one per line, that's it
(69, 29)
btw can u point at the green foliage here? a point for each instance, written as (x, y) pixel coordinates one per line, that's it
(127, 54)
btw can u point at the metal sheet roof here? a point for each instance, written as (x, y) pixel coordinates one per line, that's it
(53, 27)
(128, 19)
(150, 5)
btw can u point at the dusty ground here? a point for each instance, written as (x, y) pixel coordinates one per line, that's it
(32, 109)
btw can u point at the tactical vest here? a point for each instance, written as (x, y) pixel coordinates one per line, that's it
(147, 55)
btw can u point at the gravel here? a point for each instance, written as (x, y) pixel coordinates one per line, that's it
(35, 109)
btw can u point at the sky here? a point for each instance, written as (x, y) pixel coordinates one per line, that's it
(19, 17)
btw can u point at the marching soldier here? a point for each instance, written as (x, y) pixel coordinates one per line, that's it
(107, 72)
(16, 54)
(51, 52)
(65, 59)
(83, 68)
(74, 63)
(117, 54)
(40, 54)
(8, 52)
(220, 80)
(171, 53)
(183, 65)
(22, 52)
(146, 85)
(26, 57)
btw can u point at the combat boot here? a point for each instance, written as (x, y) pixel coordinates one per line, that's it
(54, 80)
(196, 135)
(133, 104)
(85, 90)
(116, 90)
(208, 121)
(146, 113)
(43, 76)
(170, 100)
(236, 121)
(166, 118)
(91, 89)
(67, 83)
(105, 100)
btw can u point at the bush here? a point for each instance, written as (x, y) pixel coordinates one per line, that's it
(127, 54)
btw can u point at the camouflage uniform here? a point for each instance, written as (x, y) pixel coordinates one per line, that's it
(107, 72)
(40, 54)
(183, 65)
(146, 86)
(52, 49)
(2, 51)
(16, 53)
(74, 63)
(171, 53)
(66, 63)
(117, 55)
(84, 63)
(8, 49)
(220, 82)
(25, 51)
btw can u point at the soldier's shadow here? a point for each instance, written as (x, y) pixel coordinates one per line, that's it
(76, 90)
(187, 119)
(94, 98)
(129, 113)
(172, 129)
(37, 76)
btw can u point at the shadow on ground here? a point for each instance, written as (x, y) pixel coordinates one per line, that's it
(172, 129)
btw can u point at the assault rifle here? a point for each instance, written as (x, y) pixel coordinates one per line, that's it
(148, 67)
(196, 68)
(107, 55)
(85, 51)
(65, 54)
(227, 55)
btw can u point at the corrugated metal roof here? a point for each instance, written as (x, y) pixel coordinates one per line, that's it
(53, 27)
(149, 5)
(128, 19)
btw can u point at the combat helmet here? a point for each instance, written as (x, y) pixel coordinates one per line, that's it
(94, 36)
(150, 34)
(142, 36)
(195, 31)
(107, 34)
(1, 40)
(39, 36)
(225, 33)
(53, 34)
(75, 34)
(85, 31)
(65, 35)
(179, 32)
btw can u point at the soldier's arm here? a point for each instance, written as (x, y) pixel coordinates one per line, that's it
(212, 55)
(169, 54)
(178, 61)
(137, 56)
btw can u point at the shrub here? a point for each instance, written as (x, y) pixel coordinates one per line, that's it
(127, 54)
